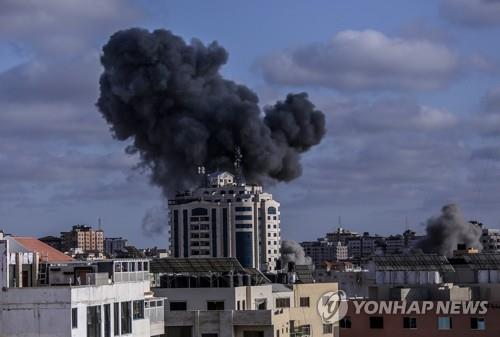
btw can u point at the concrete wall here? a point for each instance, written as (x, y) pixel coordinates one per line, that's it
(40, 312)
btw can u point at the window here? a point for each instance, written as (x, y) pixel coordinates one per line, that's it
(215, 305)
(138, 312)
(74, 318)
(94, 321)
(199, 211)
(261, 304)
(327, 328)
(477, 323)
(409, 322)
(126, 318)
(345, 323)
(277, 333)
(243, 209)
(271, 210)
(282, 303)
(243, 305)
(376, 322)
(444, 323)
(116, 318)
(238, 305)
(305, 330)
(304, 301)
(209, 335)
(253, 333)
(243, 217)
(107, 320)
(243, 225)
(178, 306)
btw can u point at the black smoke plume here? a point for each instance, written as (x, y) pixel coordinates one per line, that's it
(446, 231)
(169, 99)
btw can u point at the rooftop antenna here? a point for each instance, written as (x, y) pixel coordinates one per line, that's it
(99, 223)
(201, 172)
(406, 223)
(238, 159)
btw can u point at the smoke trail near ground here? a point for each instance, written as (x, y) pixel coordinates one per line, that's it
(169, 99)
(291, 251)
(446, 231)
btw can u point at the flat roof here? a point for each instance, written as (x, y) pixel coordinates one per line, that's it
(417, 262)
(196, 265)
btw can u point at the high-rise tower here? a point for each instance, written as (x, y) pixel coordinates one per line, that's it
(225, 217)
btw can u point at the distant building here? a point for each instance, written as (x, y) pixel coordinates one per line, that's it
(490, 239)
(114, 245)
(53, 241)
(321, 250)
(83, 237)
(226, 218)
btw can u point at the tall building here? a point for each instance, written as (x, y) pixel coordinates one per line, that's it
(225, 217)
(83, 238)
(114, 245)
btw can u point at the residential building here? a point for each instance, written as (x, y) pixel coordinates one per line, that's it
(84, 238)
(218, 297)
(114, 245)
(490, 239)
(225, 217)
(47, 293)
(322, 250)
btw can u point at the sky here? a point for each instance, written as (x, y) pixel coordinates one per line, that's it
(410, 91)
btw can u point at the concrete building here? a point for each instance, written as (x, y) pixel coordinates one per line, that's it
(226, 218)
(46, 293)
(490, 239)
(84, 238)
(413, 281)
(322, 250)
(218, 297)
(114, 245)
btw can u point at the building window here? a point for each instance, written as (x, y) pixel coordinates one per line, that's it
(243, 209)
(444, 323)
(178, 306)
(94, 321)
(327, 328)
(238, 305)
(261, 304)
(116, 318)
(277, 333)
(242, 217)
(305, 330)
(304, 301)
(215, 305)
(209, 335)
(409, 322)
(345, 323)
(126, 318)
(74, 318)
(271, 210)
(138, 312)
(477, 323)
(199, 211)
(283, 303)
(376, 322)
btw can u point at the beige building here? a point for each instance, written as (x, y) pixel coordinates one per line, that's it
(83, 238)
(217, 297)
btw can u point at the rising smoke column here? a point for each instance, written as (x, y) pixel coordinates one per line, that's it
(446, 231)
(291, 251)
(168, 98)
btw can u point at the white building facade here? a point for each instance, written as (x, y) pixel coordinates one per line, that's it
(90, 299)
(226, 218)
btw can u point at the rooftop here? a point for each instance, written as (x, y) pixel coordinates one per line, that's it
(421, 262)
(47, 253)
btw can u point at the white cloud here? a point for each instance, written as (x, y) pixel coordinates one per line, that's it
(364, 60)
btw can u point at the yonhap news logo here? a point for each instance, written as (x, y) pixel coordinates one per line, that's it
(332, 306)
(421, 307)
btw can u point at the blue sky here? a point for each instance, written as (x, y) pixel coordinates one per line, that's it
(410, 89)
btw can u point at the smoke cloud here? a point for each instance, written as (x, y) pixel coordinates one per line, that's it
(168, 98)
(154, 220)
(446, 231)
(291, 251)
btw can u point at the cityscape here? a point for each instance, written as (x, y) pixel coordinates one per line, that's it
(212, 169)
